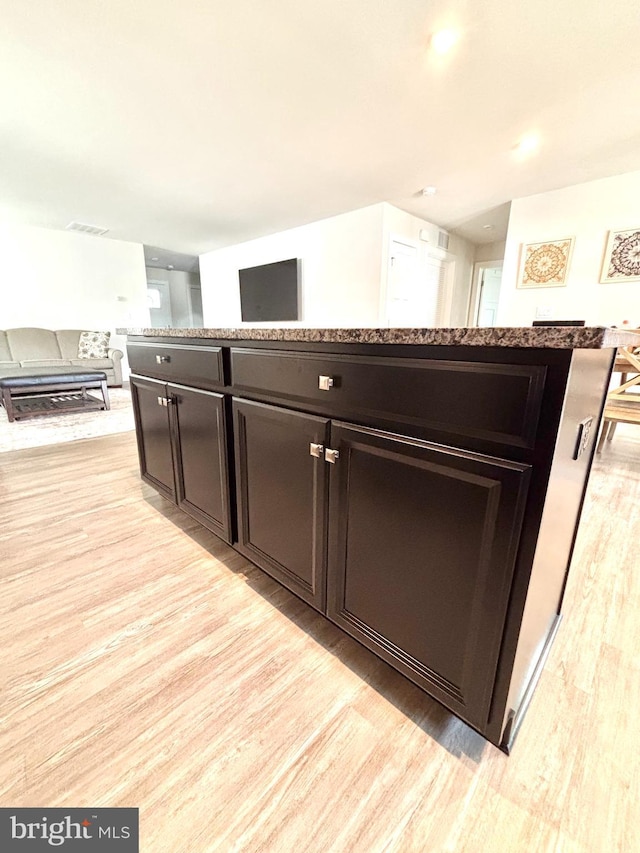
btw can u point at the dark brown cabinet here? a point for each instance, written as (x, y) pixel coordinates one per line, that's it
(153, 431)
(282, 495)
(438, 394)
(424, 498)
(187, 363)
(423, 541)
(182, 444)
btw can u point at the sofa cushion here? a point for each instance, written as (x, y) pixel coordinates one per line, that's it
(68, 342)
(33, 344)
(93, 363)
(93, 344)
(45, 362)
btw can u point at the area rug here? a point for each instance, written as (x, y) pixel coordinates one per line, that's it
(55, 429)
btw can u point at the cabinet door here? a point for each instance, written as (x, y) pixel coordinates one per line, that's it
(282, 495)
(423, 541)
(153, 431)
(202, 481)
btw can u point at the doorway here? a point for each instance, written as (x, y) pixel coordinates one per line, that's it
(485, 293)
(159, 303)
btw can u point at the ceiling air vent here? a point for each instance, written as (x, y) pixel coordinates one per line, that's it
(86, 229)
(443, 240)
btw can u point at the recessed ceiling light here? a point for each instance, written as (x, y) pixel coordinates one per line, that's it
(528, 145)
(443, 40)
(487, 227)
(429, 191)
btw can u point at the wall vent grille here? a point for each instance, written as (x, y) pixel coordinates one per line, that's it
(443, 240)
(86, 229)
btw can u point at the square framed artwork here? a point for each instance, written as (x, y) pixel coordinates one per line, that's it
(545, 264)
(621, 260)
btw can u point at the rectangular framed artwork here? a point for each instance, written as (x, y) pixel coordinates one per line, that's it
(621, 260)
(545, 264)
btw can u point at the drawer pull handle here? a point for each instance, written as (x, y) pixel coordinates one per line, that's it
(163, 359)
(331, 455)
(325, 382)
(316, 450)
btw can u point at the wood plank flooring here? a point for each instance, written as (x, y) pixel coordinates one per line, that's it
(144, 663)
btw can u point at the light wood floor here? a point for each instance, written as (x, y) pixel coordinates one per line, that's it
(144, 663)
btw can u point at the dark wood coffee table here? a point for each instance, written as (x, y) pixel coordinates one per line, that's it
(51, 391)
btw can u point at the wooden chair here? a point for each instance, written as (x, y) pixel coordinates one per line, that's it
(622, 406)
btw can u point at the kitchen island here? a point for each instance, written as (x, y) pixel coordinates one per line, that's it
(422, 488)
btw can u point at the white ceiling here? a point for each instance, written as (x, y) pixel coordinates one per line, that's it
(199, 124)
(164, 259)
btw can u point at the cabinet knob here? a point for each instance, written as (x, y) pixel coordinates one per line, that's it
(325, 382)
(316, 450)
(331, 455)
(164, 401)
(163, 359)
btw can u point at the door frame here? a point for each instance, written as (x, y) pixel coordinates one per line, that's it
(474, 296)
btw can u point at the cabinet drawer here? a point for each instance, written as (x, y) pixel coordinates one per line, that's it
(184, 363)
(491, 401)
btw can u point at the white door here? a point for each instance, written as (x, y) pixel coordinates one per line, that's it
(437, 299)
(401, 284)
(196, 306)
(489, 297)
(418, 287)
(485, 293)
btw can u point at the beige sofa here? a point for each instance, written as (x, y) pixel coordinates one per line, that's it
(44, 348)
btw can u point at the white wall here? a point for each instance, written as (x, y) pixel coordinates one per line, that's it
(586, 212)
(341, 260)
(344, 268)
(490, 251)
(62, 280)
(180, 287)
(464, 253)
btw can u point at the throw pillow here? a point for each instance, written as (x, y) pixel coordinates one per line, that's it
(94, 345)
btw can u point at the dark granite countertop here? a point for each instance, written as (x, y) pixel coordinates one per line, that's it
(552, 337)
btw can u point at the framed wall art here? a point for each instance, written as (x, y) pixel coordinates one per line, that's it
(545, 264)
(622, 256)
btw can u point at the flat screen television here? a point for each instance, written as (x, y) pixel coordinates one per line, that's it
(270, 292)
